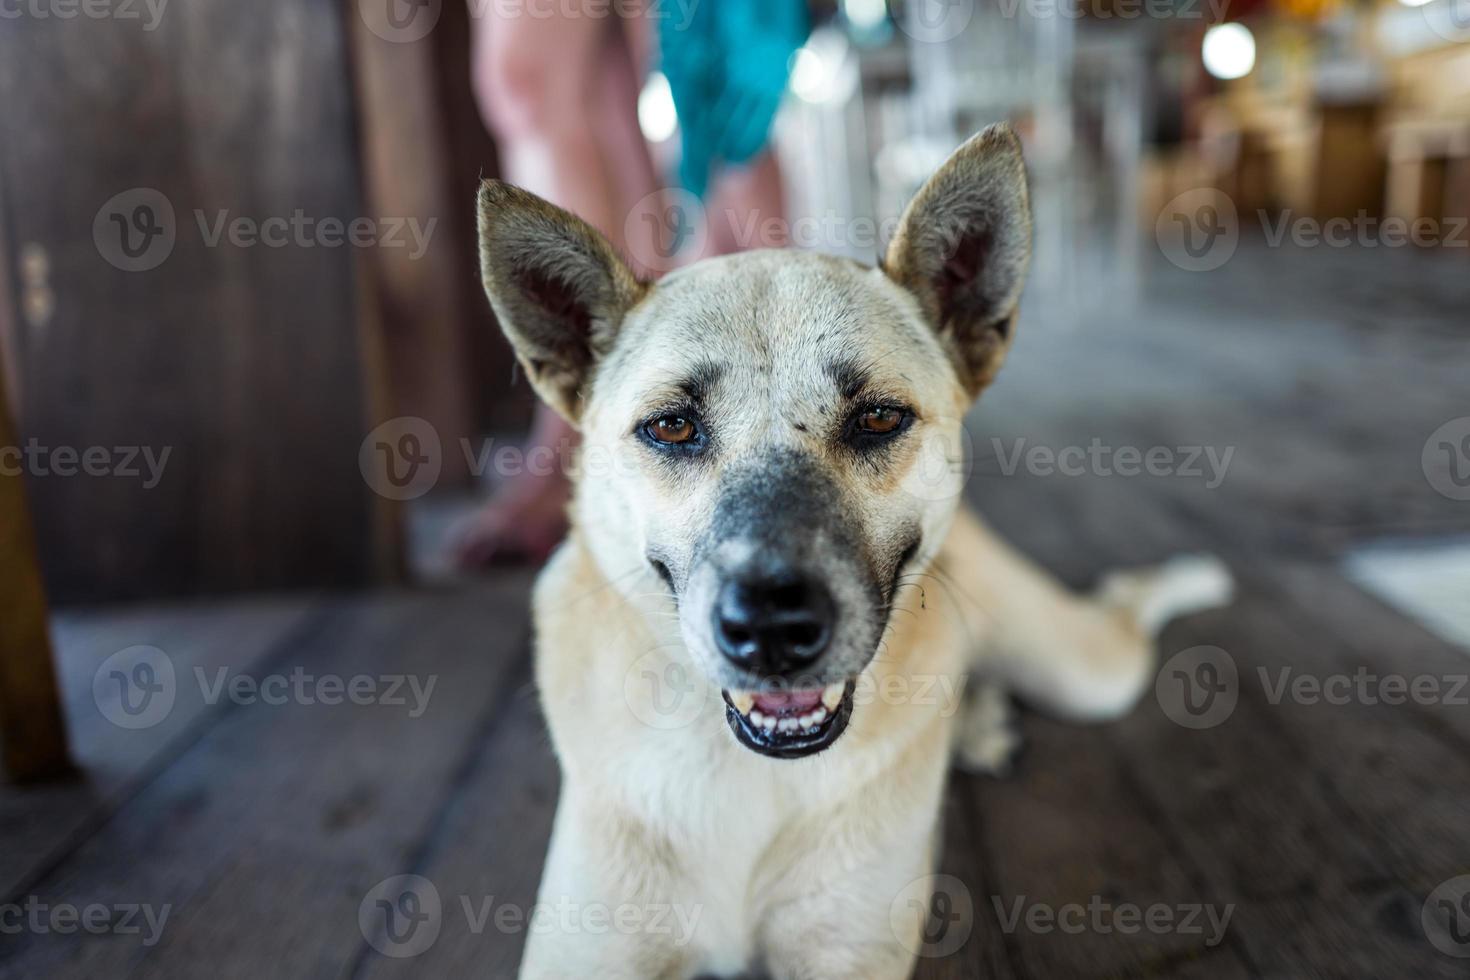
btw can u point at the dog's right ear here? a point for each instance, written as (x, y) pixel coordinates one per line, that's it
(557, 286)
(962, 248)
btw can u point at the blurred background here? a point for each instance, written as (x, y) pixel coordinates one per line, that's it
(249, 387)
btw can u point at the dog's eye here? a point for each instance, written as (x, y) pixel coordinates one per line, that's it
(880, 421)
(671, 429)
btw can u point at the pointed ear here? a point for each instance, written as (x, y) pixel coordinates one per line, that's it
(962, 248)
(557, 286)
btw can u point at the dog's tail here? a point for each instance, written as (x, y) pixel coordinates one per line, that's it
(1182, 585)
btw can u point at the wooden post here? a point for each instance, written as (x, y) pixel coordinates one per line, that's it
(32, 733)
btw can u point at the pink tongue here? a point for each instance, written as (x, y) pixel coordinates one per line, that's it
(774, 702)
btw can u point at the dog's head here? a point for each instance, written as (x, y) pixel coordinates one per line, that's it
(783, 427)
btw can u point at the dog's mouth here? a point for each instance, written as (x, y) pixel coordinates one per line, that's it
(790, 724)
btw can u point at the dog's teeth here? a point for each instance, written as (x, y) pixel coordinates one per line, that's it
(809, 720)
(787, 725)
(769, 723)
(819, 716)
(832, 695)
(743, 701)
(756, 718)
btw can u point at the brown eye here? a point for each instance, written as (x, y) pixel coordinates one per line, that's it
(672, 428)
(880, 421)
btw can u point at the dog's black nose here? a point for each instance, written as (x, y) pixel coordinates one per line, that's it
(773, 626)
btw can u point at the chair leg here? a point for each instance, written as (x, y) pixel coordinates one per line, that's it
(32, 732)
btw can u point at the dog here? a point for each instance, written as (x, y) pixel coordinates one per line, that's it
(768, 566)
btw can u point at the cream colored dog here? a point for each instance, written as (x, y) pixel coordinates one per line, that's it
(751, 647)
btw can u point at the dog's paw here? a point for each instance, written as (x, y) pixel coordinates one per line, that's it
(986, 740)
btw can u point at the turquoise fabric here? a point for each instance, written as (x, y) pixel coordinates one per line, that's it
(728, 68)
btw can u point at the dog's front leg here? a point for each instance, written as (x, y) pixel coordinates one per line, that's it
(854, 902)
(838, 939)
(606, 907)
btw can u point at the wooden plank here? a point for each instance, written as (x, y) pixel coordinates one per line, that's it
(321, 801)
(1245, 803)
(418, 295)
(42, 824)
(1273, 816)
(32, 732)
(1067, 837)
(486, 852)
(984, 949)
(1371, 631)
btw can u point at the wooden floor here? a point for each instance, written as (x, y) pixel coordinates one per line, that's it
(1322, 828)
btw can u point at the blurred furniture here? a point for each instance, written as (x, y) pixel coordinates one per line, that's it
(1429, 170)
(1427, 138)
(1350, 163)
(869, 125)
(32, 733)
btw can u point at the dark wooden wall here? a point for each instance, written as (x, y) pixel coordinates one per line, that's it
(248, 365)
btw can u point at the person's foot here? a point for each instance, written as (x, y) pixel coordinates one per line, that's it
(522, 523)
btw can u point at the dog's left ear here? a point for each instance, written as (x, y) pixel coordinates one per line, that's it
(962, 248)
(558, 288)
